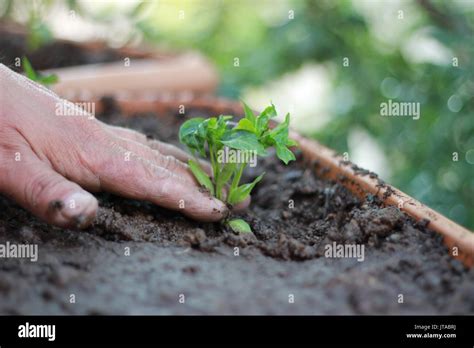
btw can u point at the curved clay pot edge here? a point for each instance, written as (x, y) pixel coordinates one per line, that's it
(334, 167)
(188, 71)
(331, 166)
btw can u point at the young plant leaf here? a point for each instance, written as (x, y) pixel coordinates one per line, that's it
(243, 140)
(216, 128)
(278, 137)
(242, 192)
(251, 133)
(224, 176)
(188, 128)
(264, 118)
(249, 115)
(28, 69)
(247, 125)
(48, 80)
(227, 171)
(269, 112)
(239, 226)
(279, 134)
(281, 130)
(188, 135)
(291, 142)
(34, 76)
(284, 153)
(201, 176)
(38, 33)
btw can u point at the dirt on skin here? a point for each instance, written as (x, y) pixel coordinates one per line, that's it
(294, 215)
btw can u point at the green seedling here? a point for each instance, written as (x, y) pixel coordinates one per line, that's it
(231, 147)
(32, 74)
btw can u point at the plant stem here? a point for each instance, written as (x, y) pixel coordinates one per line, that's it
(215, 171)
(236, 179)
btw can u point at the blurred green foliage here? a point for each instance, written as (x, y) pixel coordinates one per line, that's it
(273, 37)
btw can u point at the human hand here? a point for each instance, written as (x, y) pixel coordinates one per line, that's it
(49, 162)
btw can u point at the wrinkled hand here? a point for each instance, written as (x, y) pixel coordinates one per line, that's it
(48, 161)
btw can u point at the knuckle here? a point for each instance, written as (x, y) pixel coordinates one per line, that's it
(87, 148)
(167, 162)
(161, 174)
(11, 149)
(127, 133)
(155, 145)
(92, 133)
(108, 162)
(37, 187)
(92, 147)
(121, 165)
(171, 163)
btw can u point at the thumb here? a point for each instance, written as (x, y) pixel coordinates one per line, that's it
(38, 188)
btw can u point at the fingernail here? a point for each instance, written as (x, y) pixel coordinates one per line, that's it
(79, 208)
(80, 221)
(219, 207)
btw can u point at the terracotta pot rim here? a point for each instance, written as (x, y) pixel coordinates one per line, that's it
(189, 72)
(149, 70)
(128, 50)
(328, 164)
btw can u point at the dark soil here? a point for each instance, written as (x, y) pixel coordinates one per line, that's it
(55, 54)
(171, 255)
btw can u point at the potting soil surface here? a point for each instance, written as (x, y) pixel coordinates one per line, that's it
(138, 258)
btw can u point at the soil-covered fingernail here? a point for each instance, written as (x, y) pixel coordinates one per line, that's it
(79, 208)
(80, 221)
(56, 205)
(219, 207)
